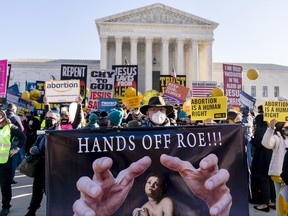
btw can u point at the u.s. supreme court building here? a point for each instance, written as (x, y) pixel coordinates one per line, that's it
(158, 38)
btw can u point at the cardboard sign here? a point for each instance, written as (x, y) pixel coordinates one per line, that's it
(176, 91)
(62, 90)
(232, 77)
(212, 107)
(276, 110)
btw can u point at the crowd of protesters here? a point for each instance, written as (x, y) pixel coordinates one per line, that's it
(265, 142)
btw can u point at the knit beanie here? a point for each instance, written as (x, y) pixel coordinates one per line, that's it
(93, 118)
(182, 114)
(115, 117)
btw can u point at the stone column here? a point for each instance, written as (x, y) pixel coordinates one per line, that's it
(206, 60)
(103, 57)
(118, 42)
(194, 60)
(165, 57)
(133, 51)
(209, 59)
(148, 63)
(202, 62)
(180, 56)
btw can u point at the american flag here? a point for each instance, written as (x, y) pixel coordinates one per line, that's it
(174, 75)
(202, 88)
(126, 61)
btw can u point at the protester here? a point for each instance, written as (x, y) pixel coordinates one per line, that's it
(92, 123)
(103, 195)
(31, 125)
(247, 121)
(135, 114)
(233, 117)
(115, 119)
(260, 180)
(103, 119)
(7, 133)
(65, 119)
(156, 112)
(11, 114)
(276, 138)
(38, 149)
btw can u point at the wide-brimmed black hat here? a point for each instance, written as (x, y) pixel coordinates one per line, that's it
(156, 101)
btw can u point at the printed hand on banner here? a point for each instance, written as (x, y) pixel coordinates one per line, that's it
(206, 182)
(104, 194)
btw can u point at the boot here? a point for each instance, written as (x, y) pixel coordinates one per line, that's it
(31, 212)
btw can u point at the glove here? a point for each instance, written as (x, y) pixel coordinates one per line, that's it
(34, 150)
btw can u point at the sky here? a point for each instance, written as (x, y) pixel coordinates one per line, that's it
(249, 31)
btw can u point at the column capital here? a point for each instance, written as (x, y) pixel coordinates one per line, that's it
(165, 39)
(180, 40)
(133, 39)
(195, 41)
(207, 42)
(103, 38)
(149, 39)
(119, 39)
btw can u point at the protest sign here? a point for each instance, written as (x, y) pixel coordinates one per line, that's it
(3, 79)
(101, 86)
(76, 72)
(165, 79)
(62, 90)
(126, 76)
(232, 79)
(202, 88)
(176, 91)
(209, 107)
(107, 104)
(275, 110)
(70, 156)
(247, 100)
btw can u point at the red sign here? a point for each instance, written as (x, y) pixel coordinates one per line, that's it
(176, 91)
(232, 77)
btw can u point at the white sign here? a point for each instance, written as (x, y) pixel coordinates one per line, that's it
(62, 91)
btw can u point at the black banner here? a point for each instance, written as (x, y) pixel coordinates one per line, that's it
(70, 155)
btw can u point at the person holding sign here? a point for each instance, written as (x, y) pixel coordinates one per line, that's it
(276, 138)
(104, 194)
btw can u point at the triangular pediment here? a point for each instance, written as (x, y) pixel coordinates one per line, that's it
(157, 13)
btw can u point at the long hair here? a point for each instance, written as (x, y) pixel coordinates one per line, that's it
(6, 120)
(278, 128)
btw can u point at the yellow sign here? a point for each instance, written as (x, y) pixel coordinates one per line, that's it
(276, 110)
(131, 102)
(209, 107)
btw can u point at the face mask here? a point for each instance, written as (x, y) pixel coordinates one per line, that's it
(64, 121)
(158, 118)
(48, 123)
(285, 132)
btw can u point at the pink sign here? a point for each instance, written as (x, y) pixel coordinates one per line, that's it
(3, 77)
(232, 76)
